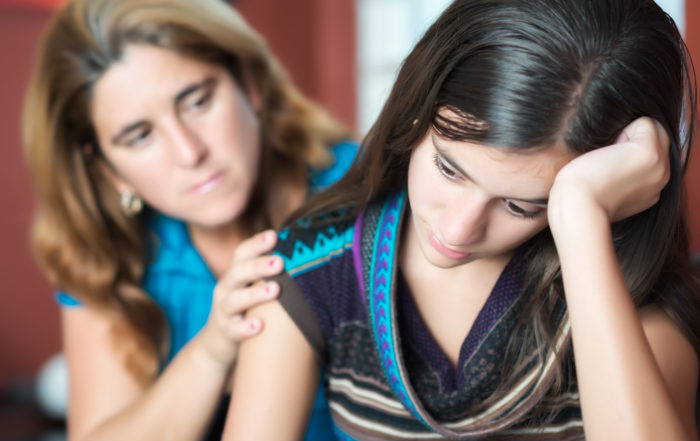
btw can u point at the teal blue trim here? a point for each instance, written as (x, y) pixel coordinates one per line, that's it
(325, 247)
(381, 289)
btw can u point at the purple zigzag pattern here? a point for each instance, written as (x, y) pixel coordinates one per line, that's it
(381, 298)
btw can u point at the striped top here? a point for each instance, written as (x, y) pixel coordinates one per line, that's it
(386, 376)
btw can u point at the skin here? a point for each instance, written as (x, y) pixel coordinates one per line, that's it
(187, 140)
(646, 387)
(471, 206)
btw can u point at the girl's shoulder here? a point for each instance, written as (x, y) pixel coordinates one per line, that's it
(310, 242)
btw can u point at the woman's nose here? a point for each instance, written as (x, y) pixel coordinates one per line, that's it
(187, 148)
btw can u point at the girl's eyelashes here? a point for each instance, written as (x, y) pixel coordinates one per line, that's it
(518, 211)
(444, 169)
(512, 207)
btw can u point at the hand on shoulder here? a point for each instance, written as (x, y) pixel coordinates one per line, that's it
(238, 290)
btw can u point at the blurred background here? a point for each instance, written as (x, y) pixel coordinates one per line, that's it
(342, 53)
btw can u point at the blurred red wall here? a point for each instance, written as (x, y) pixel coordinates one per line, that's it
(29, 326)
(316, 41)
(692, 31)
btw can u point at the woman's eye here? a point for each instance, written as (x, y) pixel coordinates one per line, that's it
(518, 211)
(444, 169)
(139, 137)
(199, 101)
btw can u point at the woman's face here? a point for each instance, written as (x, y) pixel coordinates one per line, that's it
(178, 132)
(470, 201)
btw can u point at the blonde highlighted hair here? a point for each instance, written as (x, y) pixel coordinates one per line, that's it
(81, 238)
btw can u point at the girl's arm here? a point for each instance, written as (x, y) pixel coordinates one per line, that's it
(637, 373)
(275, 382)
(108, 403)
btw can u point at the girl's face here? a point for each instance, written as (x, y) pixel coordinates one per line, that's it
(178, 132)
(470, 201)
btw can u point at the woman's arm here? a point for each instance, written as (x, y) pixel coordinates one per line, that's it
(637, 373)
(108, 403)
(275, 382)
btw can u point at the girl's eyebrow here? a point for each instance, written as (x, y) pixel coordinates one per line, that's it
(184, 93)
(540, 202)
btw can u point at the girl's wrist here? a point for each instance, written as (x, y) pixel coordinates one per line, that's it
(574, 214)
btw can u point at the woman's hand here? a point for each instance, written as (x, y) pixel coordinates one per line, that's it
(617, 181)
(237, 291)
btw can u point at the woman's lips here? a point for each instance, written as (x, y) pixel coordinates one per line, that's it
(207, 184)
(442, 249)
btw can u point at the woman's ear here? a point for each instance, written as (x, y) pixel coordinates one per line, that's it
(112, 176)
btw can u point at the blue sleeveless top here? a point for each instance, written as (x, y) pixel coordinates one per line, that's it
(182, 284)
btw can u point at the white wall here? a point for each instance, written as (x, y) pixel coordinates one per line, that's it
(387, 31)
(676, 9)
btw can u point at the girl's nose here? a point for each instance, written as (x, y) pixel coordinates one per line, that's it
(464, 221)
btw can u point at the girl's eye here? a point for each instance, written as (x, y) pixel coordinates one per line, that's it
(518, 211)
(444, 169)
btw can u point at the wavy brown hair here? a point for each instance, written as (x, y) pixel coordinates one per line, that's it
(522, 74)
(82, 240)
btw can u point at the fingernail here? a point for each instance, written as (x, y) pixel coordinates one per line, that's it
(254, 325)
(270, 289)
(272, 263)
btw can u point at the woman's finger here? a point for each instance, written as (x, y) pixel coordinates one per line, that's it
(237, 330)
(237, 302)
(245, 272)
(254, 246)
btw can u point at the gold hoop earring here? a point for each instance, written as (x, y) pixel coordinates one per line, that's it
(131, 204)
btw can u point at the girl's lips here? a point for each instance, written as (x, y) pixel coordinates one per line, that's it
(208, 184)
(442, 249)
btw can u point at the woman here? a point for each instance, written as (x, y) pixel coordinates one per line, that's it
(507, 259)
(164, 139)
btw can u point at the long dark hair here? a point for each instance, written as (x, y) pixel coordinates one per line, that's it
(528, 73)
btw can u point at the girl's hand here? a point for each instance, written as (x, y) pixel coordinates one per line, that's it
(617, 181)
(237, 291)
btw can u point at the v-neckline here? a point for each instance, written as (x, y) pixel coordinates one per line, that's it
(415, 331)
